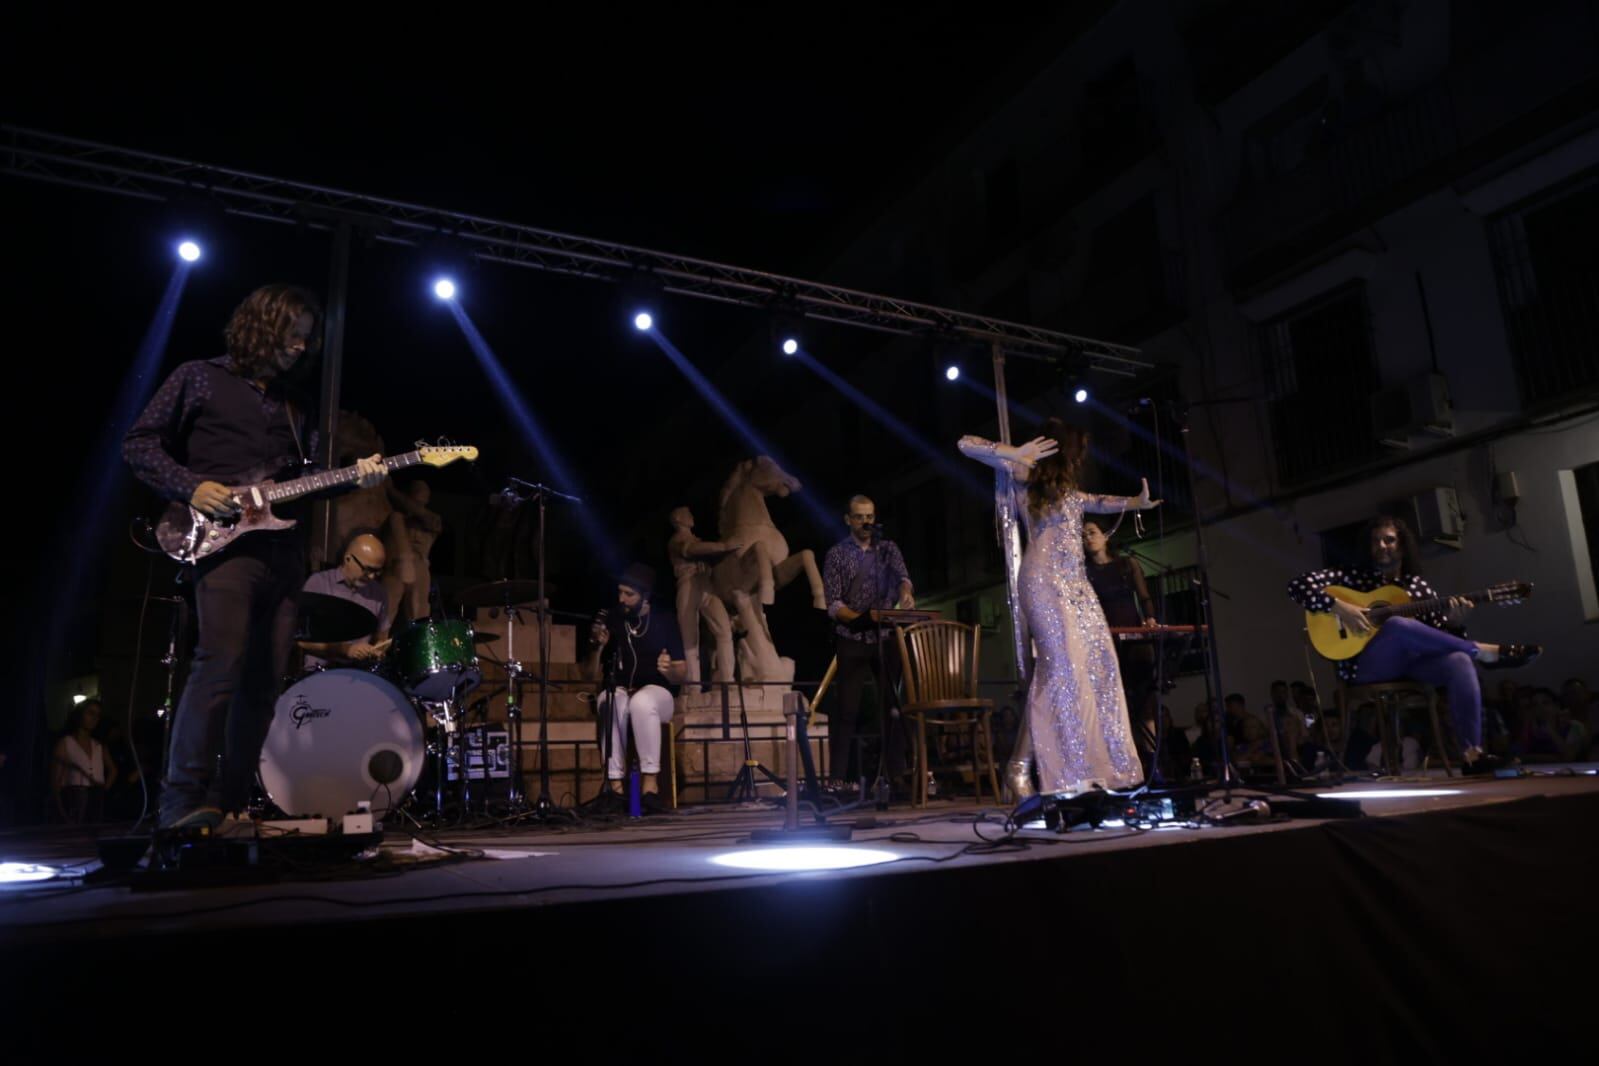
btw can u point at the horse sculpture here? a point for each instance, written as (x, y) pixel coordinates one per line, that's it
(749, 580)
(766, 565)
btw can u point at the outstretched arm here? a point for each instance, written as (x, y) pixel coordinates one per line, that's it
(1017, 460)
(1112, 504)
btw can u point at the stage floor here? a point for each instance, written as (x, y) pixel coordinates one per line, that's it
(422, 873)
(1432, 928)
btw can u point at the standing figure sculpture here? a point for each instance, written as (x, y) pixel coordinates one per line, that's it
(697, 601)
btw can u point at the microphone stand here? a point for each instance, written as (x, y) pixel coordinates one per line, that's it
(1157, 779)
(1227, 776)
(882, 787)
(745, 788)
(543, 808)
(169, 661)
(611, 681)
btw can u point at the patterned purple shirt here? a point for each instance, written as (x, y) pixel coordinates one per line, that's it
(206, 423)
(861, 580)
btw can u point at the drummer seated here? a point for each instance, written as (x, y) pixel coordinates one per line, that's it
(354, 579)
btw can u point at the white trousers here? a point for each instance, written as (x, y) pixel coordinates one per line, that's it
(648, 709)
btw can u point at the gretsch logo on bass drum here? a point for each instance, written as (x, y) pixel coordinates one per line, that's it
(303, 712)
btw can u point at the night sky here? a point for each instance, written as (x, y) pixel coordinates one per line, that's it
(763, 145)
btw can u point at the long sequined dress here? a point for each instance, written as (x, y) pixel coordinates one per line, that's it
(1076, 707)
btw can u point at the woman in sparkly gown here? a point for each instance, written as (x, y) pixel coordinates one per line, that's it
(1076, 708)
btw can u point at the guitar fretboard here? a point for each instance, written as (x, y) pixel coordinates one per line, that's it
(1437, 603)
(333, 479)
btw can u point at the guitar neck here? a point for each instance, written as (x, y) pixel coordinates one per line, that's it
(1437, 603)
(335, 479)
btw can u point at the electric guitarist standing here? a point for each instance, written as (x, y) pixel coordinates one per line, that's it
(1417, 649)
(213, 423)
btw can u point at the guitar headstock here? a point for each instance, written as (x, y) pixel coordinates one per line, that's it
(445, 454)
(1509, 593)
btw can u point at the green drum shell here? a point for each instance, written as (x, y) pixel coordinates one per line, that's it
(436, 658)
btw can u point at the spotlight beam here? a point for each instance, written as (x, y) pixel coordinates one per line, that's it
(1017, 408)
(106, 482)
(1203, 471)
(940, 458)
(532, 433)
(738, 423)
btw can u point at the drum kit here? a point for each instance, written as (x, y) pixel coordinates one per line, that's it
(343, 736)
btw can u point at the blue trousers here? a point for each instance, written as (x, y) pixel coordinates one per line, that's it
(1405, 649)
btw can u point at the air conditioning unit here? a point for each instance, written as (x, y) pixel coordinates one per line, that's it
(1436, 517)
(1418, 407)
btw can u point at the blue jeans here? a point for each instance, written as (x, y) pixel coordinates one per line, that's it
(1405, 649)
(245, 601)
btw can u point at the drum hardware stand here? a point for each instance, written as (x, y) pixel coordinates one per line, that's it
(452, 742)
(399, 808)
(513, 701)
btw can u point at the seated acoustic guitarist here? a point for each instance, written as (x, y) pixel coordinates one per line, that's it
(1409, 648)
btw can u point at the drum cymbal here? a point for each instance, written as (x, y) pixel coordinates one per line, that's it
(331, 619)
(509, 593)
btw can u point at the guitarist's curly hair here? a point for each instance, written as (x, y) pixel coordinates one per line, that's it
(1409, 550)
(261, 324)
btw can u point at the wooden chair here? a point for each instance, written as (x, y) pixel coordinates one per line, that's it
(940, 677)
(1390, 696)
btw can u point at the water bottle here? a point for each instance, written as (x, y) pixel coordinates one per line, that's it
(1196, 772)
(882, 793)
(1322, 768)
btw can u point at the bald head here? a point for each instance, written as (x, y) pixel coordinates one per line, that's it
(363, 559)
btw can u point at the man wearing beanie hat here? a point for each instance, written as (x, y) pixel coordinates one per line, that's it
(638, 651)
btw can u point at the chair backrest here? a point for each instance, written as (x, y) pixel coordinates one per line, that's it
(940, 660)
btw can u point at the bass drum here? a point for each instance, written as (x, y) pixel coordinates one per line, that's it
(339, 738)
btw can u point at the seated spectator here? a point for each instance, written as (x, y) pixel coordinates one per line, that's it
(1247, 735)
(1542, 737)
(80, 771)
(1576, 698)
(1409, 751)
(1202, 739)
(1363, 733)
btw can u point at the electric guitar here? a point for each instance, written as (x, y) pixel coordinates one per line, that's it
(188, 535)
(1333, 641)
